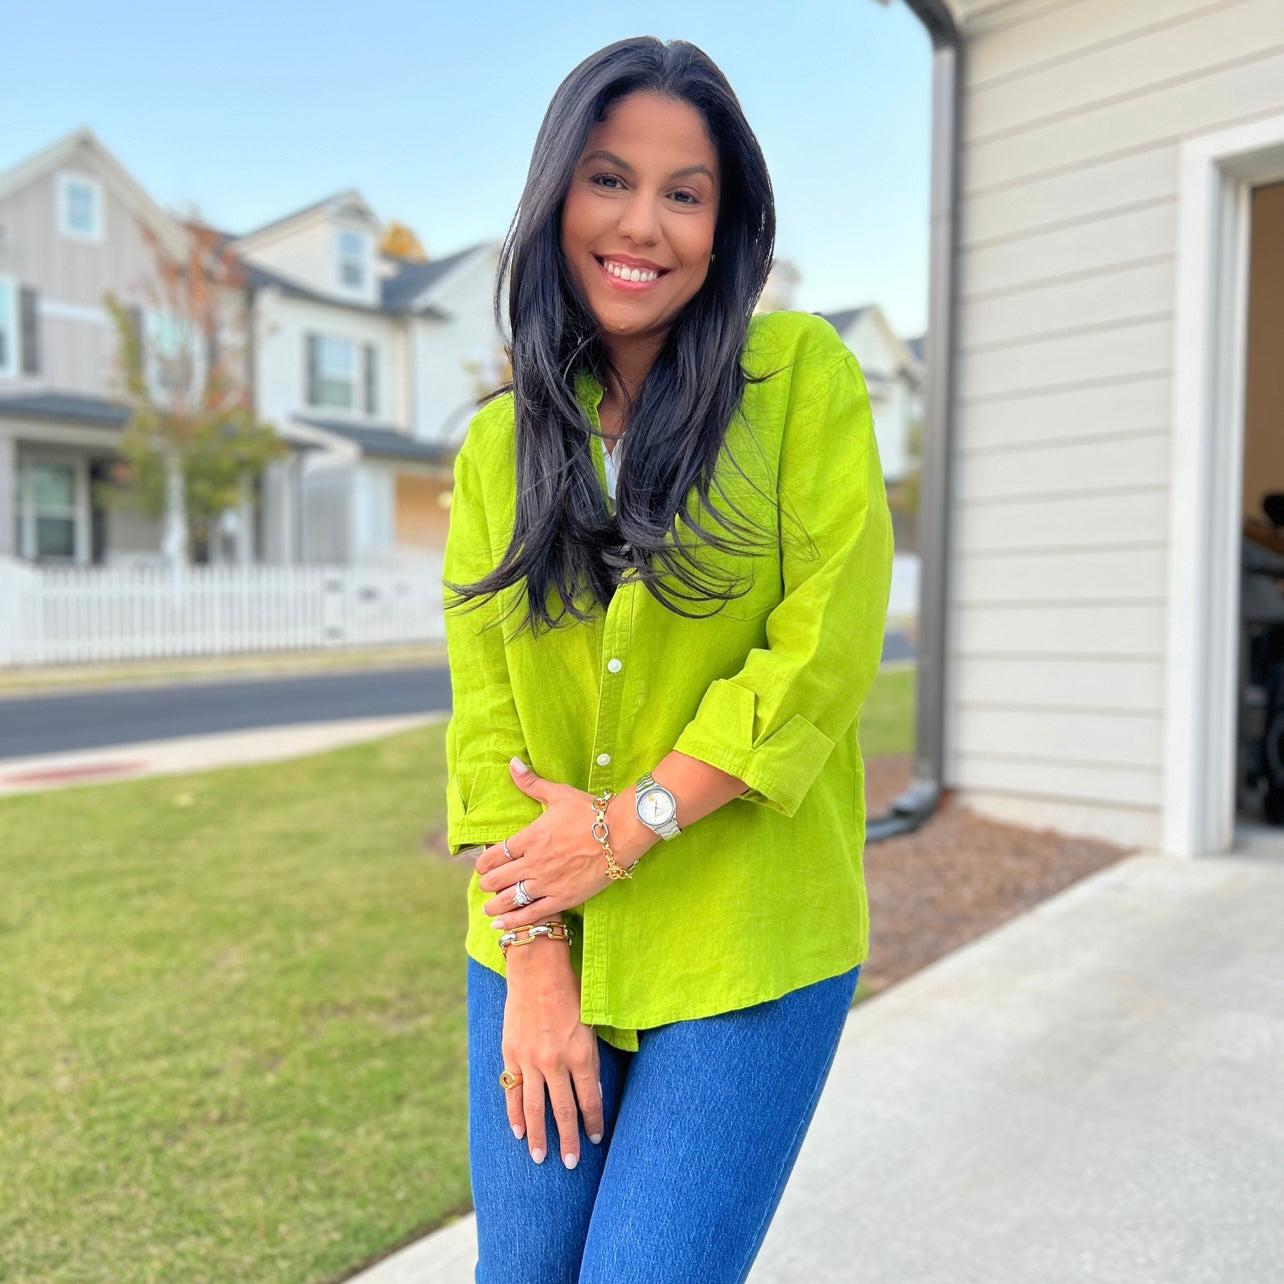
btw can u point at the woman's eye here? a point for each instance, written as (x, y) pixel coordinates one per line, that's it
(610, 178)
(693, 198)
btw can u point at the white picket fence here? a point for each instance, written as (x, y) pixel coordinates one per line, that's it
(76, 615)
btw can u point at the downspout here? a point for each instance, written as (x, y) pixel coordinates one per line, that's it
(920, 800)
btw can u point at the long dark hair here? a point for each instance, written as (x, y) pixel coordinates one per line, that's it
(564, 534)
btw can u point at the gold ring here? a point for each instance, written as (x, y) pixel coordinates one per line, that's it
(509, 1079)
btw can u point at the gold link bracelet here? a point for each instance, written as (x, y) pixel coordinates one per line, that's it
(554, 932)
(613, 868)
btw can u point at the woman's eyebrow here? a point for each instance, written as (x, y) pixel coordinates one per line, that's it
(623, 164)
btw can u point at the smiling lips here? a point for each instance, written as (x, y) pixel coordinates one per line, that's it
(624, 275)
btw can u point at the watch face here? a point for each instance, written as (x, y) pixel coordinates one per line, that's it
(655, 806)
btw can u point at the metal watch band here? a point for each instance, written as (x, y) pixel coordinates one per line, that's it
(668, 828)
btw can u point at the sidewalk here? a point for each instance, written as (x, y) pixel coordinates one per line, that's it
(1091, 1094)
(182, 754)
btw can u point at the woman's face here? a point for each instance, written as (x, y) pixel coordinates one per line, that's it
(640, 213)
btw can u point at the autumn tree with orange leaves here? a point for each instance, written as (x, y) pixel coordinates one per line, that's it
(193, 440)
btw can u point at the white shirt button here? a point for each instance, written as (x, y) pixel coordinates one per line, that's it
(615, 665)
(603, 759)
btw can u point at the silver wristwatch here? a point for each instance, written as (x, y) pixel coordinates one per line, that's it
(657, 807)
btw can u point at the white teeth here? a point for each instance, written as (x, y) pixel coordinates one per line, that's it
(628, 274)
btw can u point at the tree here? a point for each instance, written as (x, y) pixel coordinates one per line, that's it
(400, 242)
(192, 441)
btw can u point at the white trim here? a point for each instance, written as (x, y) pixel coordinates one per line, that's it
(1218, 172)
(13, 324)
(95, 234)
(363, 258)
(74, 311)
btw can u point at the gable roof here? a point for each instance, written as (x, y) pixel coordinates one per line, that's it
(348, 203)
(411, 289)
(62, 151)
(842, 320)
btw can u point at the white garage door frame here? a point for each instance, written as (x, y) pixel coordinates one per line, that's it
(1218, 172)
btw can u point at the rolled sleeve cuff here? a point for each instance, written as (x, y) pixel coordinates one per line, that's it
(466, 826)
(778, 767)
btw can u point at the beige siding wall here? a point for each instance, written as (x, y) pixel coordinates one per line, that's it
(1074, 113)
(77, 340)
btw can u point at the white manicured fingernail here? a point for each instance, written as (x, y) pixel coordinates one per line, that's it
(595, 1138)
(518, 1131)
(570, 1160)
(537, 1155)
(497, 924)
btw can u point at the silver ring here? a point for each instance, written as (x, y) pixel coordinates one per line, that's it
(507, 852)
(520, 895)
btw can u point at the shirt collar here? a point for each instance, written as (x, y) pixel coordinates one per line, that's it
(587, 389)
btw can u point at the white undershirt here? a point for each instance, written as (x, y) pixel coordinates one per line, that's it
(607, 455)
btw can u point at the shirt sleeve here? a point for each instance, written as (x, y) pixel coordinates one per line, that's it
(483, 805)
(775, 722)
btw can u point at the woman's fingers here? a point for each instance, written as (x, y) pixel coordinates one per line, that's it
(513, 1100)
(588, 1089)
(533, 1110)
(536, 912)
(567, 1115)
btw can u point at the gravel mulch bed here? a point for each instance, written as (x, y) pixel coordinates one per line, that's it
(956, 877)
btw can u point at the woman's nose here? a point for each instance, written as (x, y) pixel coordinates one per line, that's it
(639, 221)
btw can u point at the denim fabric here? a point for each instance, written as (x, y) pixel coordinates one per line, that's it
(703, 1125)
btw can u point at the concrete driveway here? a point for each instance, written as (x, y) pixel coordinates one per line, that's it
(1093, 1092)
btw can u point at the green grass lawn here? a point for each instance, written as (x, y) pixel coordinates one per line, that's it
(232, 1026)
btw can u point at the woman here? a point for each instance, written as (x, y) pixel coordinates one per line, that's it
(667, 577)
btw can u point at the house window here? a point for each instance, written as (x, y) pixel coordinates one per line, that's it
(352, 260)
(172, 353)
(47, 511)
(80, 207)
(335, 378)
(8, 328)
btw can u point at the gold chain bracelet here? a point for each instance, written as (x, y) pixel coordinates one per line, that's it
(554, 932)
(613, 868)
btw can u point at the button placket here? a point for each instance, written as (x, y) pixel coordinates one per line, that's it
(614, 644)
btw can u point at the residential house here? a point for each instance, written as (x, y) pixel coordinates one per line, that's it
(372, 366)
(368, 367)
(894, 378)
(70, 230)
(1116, 411)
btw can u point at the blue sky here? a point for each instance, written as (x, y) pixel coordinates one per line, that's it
(245, 112)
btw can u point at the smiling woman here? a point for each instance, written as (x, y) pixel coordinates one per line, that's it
(625, 677)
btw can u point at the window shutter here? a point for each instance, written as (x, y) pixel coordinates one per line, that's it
(135, 313)
(211, 352)
(313, 361)
(372, 386)
(30, 331)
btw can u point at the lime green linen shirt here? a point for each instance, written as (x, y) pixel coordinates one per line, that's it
(766, 893)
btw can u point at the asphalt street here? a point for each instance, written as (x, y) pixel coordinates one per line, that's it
(127, 714)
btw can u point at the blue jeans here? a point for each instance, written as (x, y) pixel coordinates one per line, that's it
(703, 1124)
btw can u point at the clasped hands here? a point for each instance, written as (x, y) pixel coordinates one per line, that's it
(562, 863)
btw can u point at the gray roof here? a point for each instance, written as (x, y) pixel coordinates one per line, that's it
(396, 293)
(841, 320)
(347, 194)
(916, 347)
(400, 291)
(67, 405)
(384, 443)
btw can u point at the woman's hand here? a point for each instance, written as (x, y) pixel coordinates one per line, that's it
(562, 864)
(545, 1041)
